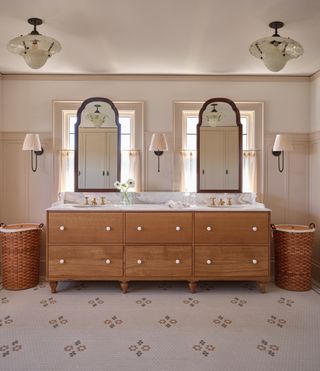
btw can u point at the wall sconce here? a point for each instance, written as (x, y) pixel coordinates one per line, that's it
(158, 145)
(214, 116)
(281, 144)
(32, 143)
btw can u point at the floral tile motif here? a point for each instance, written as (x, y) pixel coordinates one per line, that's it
(222, 322)
(13, 347)
(75, 348)
(204, 348)
(279, 322)
(191, 302)
(6, 321)
(143, 302)
(95, 302)
(287, 302)
(46, 302)
(113, 322)
(271, 349)
(41, 285)
(139, 348)
(58, 322)
(167, 321)
(4, 300)
(239, 302)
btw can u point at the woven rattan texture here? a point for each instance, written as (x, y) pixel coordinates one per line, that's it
(20, 259)
(293, 260)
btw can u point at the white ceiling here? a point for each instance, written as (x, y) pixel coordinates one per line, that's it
(160, 37)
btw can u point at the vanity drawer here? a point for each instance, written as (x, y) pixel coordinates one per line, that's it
(231, 261)
(172, 262)
(159, 227)
(85, 262)
(84, 227)
(232, 227)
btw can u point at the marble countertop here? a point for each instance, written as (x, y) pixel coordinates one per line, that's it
(158, 207)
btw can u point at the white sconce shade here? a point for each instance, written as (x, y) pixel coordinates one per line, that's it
(34, 47)
(281, 144)
(32, 143)
(158, 145)
(158, 142)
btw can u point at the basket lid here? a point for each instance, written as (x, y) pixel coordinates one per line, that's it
(295, 228)
(10, 228)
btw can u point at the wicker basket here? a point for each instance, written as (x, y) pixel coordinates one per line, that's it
(293, 250)
(20, 255)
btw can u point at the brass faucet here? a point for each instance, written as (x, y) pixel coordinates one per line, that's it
(221, 202)
(94, 201)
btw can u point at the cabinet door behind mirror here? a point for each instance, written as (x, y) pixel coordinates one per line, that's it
(219, 147)
(97, 146)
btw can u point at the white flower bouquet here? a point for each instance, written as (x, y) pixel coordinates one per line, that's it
(123, 188)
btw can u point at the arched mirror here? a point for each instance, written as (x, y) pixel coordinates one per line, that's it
(97, 146)
(219, 147)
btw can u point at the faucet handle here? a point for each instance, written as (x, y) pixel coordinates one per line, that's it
(87, 200)
(213, 201)
(102, 200)
(229, 201)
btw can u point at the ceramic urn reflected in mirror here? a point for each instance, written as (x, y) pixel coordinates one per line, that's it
(97, 146)
(219, 147)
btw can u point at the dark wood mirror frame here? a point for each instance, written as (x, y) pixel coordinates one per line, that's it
(76, 144)
(238, 122)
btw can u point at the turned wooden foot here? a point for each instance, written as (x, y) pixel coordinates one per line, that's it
(124, 287)
(263, 287)
(53, 286)
(193, 287)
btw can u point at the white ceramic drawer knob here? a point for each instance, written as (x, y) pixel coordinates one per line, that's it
(108, 261)
(254, 229)
(139, 228)
(61, 228)
(108, 228)
(254, 261)
(209, 228)
(178, 228)
(178, 261)
(61, 261)
(139, 261)
(209, 261)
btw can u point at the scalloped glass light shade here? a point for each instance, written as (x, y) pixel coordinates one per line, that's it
(35, 49)
(213, 118)
(97, 118)
(275, 51)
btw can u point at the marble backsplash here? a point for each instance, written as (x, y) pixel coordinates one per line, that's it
(189, 198)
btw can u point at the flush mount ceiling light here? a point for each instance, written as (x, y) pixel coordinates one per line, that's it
(275, 51)
(214, 116)
(34, 47)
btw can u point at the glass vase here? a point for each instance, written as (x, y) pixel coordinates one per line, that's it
(125, 198)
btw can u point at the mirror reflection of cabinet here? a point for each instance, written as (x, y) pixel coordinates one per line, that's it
(97, 158)
(97, 146)
(219, 147)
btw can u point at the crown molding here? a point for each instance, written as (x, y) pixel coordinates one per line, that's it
(315, 76)
(156, 77)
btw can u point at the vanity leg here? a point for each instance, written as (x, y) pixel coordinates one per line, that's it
(53, 286)
(193, 287)
(124, 287)
(262, 287)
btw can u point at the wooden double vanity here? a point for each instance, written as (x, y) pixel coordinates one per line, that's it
(130, 243)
